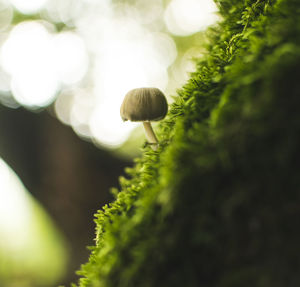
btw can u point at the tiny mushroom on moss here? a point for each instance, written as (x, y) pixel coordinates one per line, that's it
(145, 105)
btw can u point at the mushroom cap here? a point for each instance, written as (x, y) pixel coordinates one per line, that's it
(144, 104)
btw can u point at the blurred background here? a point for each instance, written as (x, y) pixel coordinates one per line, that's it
(65, 67)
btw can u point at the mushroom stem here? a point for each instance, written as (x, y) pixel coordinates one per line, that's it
(150, 135)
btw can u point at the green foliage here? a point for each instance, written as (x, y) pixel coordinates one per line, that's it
(218, 203)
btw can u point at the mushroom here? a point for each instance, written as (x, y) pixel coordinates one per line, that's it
(145, 105)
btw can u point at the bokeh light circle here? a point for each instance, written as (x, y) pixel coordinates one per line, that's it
(28, 6)
(186, 17)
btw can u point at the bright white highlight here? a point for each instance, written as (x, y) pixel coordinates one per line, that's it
(15, 210)
(185, 17)
(26, 56)
(40, 62)
(71, 56)
(28, 6)
(106, 127)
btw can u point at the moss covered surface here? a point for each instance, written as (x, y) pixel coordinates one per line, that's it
(218, 204)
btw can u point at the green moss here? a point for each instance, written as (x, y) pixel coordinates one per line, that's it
(218, 203)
